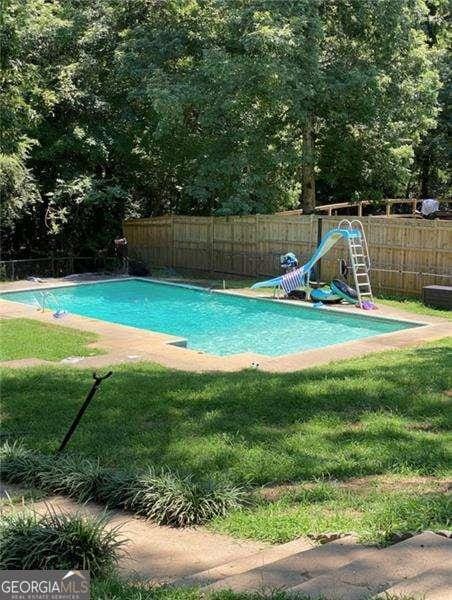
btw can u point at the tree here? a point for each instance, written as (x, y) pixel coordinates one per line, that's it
(141, 107)
(374, 94)
(248, 101)
(430, 176)
(24, 99)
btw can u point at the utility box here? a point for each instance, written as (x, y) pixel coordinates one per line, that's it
(439, 296)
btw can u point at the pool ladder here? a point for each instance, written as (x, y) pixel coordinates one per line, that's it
(41, 300)
(359, 259)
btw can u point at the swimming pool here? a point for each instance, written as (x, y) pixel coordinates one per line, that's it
(216, 323)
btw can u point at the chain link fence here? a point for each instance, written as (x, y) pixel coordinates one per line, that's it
(12, 270)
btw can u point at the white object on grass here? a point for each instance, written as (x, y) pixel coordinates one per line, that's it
(72, 359)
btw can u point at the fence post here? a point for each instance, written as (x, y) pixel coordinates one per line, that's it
(172, 241)
(212, 244)
(12, 270)
(319, 239)
(257, 248)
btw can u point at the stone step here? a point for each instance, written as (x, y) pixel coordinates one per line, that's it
(379, 570)
(294, 569)
(435, 584)
(240, 565)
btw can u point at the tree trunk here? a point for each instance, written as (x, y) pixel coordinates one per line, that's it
(425, 174)
(308, 174)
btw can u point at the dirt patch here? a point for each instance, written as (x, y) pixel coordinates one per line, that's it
(387, 483)
(275, 492)
(325, 538)
(383, 483)
(421, 427)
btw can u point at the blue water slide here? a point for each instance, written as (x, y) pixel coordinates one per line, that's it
(326, 243)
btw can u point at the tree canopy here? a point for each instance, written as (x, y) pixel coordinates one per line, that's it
(116, 108)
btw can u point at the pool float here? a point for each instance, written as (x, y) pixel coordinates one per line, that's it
(344, 291)
(325, 294)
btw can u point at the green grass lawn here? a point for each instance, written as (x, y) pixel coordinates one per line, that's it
(414, 305)
(375, 509)
(116, 589)
(27, 338)
(385, 414)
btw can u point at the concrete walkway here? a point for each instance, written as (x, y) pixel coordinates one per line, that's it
(339, 570)
(156, 553)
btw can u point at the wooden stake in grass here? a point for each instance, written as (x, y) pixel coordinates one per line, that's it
(89, 397)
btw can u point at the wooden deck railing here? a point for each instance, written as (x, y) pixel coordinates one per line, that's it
(332, 209)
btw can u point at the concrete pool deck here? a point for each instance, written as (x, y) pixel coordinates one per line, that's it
(123, 344)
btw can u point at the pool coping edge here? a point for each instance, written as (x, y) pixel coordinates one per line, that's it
(156, 347)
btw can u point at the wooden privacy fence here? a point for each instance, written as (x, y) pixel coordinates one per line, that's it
(405, 254)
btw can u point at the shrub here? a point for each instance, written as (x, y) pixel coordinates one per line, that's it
(58, 541)
(165, 497)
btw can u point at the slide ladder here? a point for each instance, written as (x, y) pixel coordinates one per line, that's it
(359, 260)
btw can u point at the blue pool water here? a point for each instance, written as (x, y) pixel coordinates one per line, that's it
(216, 323)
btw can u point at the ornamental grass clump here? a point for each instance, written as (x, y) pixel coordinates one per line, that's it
(163, 496)
(76, 477)
(79, 478)
(58, 541)
(114, 488)
(21, 465)
(172, 499)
